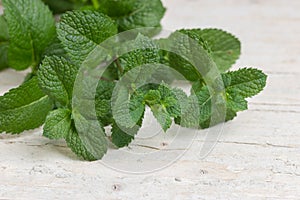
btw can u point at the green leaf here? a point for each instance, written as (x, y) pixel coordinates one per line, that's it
(245, 82)
(119, 137)
(137, 107)
(164, 104)
(57, 77)
(103, 102)
(117, 8)
(152, 97)
(81, 31)
(239, 85)
(219, 46)
(55, 49)
(24, 108)
(61, 6)
(82, 136)
(169, 99)
(129, 108)
(4, 46)
(204, 99)
(131, 14)
(224, 48)
(147, 52)
(4, 36)
(122, 137)
(4, 43)
(236, 103)
(88, 139)
(74, 142)
(58, 123)
(162, 116)
(163, 44)
(185, 54)
(31, 29)
(197, 111)
(190, 112)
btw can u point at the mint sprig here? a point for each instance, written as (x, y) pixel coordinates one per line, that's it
(31, 29)
(81, 31)
(55, 51)
(24, 108)
(4, 43)
(56, 78)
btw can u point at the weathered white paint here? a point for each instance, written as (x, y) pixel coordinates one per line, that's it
(257, 157)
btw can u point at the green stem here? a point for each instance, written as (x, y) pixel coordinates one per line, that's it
(96, 4)
(119, 66)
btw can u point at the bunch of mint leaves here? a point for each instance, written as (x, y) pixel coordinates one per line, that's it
(32, 37)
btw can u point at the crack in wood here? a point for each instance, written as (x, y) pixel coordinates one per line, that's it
(158, 149)
(276, 111)
(259, 144)
(274, 104)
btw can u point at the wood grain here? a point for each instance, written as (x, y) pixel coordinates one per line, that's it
(257, 156)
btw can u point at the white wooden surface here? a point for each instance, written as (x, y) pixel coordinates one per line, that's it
(257, 157)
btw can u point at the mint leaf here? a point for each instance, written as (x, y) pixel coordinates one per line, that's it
(81, 31)
(58, 123)
(239, 85)
(76, 133)
(56, 78)
(190, 112)
(197, 110)
(3, 55)
(131, 14)
(61, 6)
(152, 97)
(137, 107)
(245, 82)
(55, 49)
(31, 29)
(103, 101)
(163, 44)
(128, 108)
(236, 103)
(147, 52)
(162, 116)
(117, 8)
(164, 105)
(185, 54)
(89, 138)
(204, 99)
(223, 47)
(24, 108)
(95, 102)
(4, 36)
(81, 135)
(74, 142)
(122, 137)
(220, 46)
(119, 137)
(4, 43)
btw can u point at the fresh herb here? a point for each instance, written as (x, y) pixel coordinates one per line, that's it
(30, 37)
